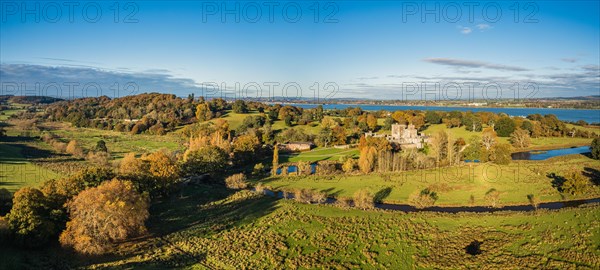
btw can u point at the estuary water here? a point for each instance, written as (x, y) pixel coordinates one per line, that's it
(572, 115)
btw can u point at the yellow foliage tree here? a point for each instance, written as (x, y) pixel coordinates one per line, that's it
(101, 216)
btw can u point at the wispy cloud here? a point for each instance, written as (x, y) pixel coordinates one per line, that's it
(569, 60)
(465, 30)
(472, 64)
(23, 79)
(483, 27)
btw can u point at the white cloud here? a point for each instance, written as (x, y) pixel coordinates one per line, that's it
(466, 30)
(483, 26)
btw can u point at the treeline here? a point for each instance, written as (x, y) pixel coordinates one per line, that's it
(157, 114)
(28, 99)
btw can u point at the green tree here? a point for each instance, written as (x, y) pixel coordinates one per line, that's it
(473, 149)
(29, 219)
(432, 117)
(101, 146)
(595, 148)
(239, 106)
(209, 159)
(505, 126)
(387, 123)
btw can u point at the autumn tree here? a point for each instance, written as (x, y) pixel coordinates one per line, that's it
(371, 122)
(275, 159)
(501, 154)
(203, 112)
(575, 183)
(520, 138)
(29, 219)
(439, 143)
(329, 122)
(163, 172)
(489, 138)
(101, 216)
(130, 165)
(366, 160)
(303, 168)
(245, 147)
(349, 165)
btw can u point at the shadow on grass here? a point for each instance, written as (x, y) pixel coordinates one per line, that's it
(593, 174)
(382, 194)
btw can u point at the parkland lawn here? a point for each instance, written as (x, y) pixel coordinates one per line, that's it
(454, 185)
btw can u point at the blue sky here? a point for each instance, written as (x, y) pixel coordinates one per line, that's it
(377, 50)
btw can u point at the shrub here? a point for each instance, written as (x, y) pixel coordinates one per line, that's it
(74, 149)
(533, 200)
(302, 195)
(363, 199)
(260, 188)
(492, 197)
(99, 158)
(236, 181)
(343, 202)
(575, 183)
(425, 198)
(259, 169)
(318, 197)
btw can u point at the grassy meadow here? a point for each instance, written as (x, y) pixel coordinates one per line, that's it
(540, 143)
(204, 228)
(17, 170)
(454, 185)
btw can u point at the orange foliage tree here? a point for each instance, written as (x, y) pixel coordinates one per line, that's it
(103, 215)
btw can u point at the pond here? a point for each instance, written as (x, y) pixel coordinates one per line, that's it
(546, 154)
(294, 168)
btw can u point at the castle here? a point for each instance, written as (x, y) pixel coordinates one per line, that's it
(406, 136)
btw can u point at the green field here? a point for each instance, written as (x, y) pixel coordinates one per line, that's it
(318, 154)
(118, 143)
(536, 143)
(204, 228)
(454, 185)
(16, 171)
